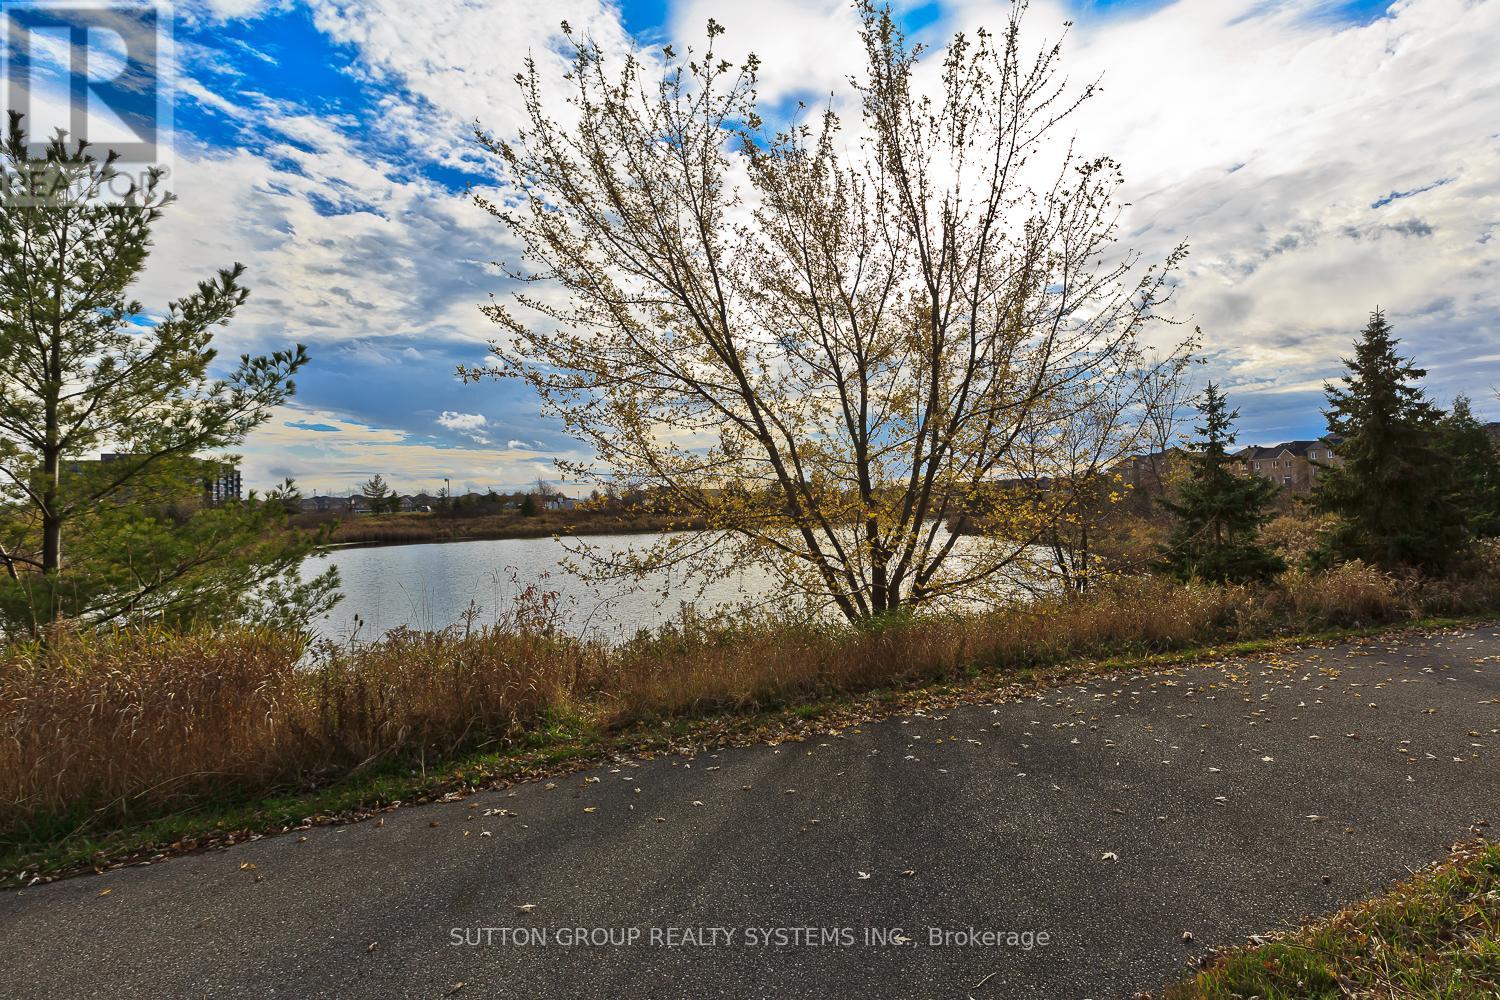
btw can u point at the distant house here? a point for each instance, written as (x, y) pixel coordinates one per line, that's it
(560, 503)
(1151, 472)
(407, 504)
(1292, 465)
(324, 505)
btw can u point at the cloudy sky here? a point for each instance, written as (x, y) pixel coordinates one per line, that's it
(1320, 157)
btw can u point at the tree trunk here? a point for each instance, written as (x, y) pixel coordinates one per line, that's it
(52, 451)
(51, 522)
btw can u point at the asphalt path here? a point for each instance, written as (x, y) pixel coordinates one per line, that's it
(1058, 846)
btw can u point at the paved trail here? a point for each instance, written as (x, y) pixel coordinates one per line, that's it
(1113, 817)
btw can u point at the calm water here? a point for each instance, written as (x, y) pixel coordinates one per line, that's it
(430, 586)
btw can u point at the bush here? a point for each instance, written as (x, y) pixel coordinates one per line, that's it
(1295, 534)
(1348, 595)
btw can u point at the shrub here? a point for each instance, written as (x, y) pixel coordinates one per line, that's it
(1295, 534)
(1351, 594)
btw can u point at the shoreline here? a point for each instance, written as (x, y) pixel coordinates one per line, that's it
(504, 532)
(486, 536)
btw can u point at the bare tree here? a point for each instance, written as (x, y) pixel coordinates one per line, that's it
(1172, 394)
(826, 346)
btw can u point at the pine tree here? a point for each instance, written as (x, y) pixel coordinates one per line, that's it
(84, 369)
(1391, 490)
(1471, 455)
(1219, 513)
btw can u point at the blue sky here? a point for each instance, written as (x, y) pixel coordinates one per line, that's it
(1321, 158)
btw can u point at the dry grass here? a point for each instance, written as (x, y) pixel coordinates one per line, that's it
(136, 725)
(694, 667)
(115, 729)
(403, 529)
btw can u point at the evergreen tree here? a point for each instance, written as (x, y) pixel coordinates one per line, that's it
(85, 369)
(1219, 513)
(1391, 491)
(1475, 468)
(378, 492)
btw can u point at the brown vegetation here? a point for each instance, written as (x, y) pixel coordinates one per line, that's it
(135, 725)
(406, 529)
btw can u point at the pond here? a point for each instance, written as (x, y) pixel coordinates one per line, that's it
(430, 586)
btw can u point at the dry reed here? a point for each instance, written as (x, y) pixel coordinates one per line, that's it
(114, 728)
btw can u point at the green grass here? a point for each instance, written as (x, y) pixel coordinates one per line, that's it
(561, 742)
(1436, 937)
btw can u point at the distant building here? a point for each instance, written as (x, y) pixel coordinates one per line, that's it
(323, 505)
(220, 481)
(1150, 473)
(1292, 465)
(560, 503)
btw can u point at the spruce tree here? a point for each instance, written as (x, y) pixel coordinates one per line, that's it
(378, 492)
(1475, 467)
(1219, 513)
(1391, 490)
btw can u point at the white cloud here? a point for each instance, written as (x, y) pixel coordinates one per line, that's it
(460, 56)
(232, 9)
(1270, 138)
(296, 442)
(471, 425)
(462, 421)
(805, 47)
(1267, 136)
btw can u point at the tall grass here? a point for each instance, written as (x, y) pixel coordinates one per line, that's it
(137, 724)
(693, 667)
(105, 730)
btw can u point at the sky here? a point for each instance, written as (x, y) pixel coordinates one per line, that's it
(1320, 158)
